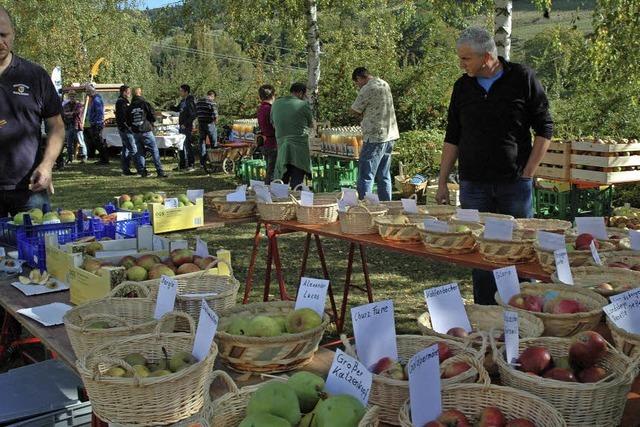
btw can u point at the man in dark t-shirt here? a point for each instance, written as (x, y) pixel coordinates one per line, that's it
(27, 97)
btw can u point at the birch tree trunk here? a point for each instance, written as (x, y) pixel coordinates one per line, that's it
(313, 55)
(504, 12)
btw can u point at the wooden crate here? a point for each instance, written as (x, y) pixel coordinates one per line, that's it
(556, 163)
(605, 163)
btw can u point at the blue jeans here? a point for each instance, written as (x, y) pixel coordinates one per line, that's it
(375, 165)
(71, 136)
(128, 151)
(205, 131)
(147, 141)
(509, 198)
(185, 156)
(15, 201)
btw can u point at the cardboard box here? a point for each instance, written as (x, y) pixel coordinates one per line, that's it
(165, 220)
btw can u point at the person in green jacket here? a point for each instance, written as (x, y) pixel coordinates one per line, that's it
(292, 119)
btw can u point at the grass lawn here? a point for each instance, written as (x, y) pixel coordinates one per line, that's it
(393, 276)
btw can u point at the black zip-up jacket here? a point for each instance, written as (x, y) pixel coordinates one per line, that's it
(140, 115)
(121, 114)
(187, 109)
(493, 130)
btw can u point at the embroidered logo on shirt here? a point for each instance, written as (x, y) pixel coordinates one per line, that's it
(21, 89)
(3, 123)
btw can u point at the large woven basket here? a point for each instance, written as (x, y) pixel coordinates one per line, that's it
(471, 399)
(483, 217)
(407, 231)
(450, 242)
(395, 206)
(266, 354)
(230, 409)
(360, 219)
(323, 211)
(217, 281)
(563, 325)
(277, 210)
(533, 225)
(581, 404)
(632, 258)
(232, 210)
(577, 258)
(129, 316)
(614, 235)
(442, 212)
(517, 251)
(621, 279)
(389, 393)
(151, 400)
(626, 342)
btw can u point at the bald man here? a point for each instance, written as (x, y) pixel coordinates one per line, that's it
(27, 98)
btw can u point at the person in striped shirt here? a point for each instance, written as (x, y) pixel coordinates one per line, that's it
(207, 113)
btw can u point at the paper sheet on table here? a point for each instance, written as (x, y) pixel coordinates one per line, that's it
(48, 314)
(29, 290)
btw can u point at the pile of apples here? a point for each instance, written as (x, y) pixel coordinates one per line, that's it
(489, 417)
(586, 350)
(387, 367)
(264, 325)
(38, 217)
(547, 304)
(143, 368)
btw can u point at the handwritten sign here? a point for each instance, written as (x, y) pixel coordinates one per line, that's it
(263, 194)
(624, 316)
(511, 335)
(468, 215)
(551, 241)
(563, 269)
(167, 291)
(374, 329)
(372, 198)
(306, 198)
(410, 206)
(207, 326)
(634, 238)
(194, 195)
(626, 296)
(436, 226)
(594, 253)
(350, 196)
(593, 225)
(498, 229)
(348, 376)
(280, 191)
(171, 203)
(507, 282)
(446, 308)
(312, 294)
(425, 386)
(201, 248)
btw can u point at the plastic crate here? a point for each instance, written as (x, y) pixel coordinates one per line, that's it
(566, 205)
(249, 169)
(125, 228)
(78, 415)
(10, 231)
(331, 173)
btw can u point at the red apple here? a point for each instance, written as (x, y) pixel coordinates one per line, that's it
(587, 349)
(491, 417)
(181, 256)
(382, 365)
(534, 303)
(435, 424)
(457, 332)
(592, 374)
(584, 240)
(517, 301)
(534, 359)
(604, 287)
(453, 418)
(520, 422)
(454, 369)
(619, 264)
(444, 352)
(564, 306)
(635, 267)
(560, 374)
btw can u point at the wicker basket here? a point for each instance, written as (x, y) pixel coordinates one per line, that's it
(389, 393)
(360, 219)
(581, 405)
(151, 400)
(473, 398)
(483, 217)
(625, 244)
(614, 235)
(277, 210)
(323, 211)
(577, 258)
(395, 206)
(631, 258)
(232, 210)
(442, 212)
(230, 409)
(563, 325)
(130, 316)
(537, 224)
(626, 342)
(451, 242)
(400, 232)
(621, 279)
(517, 251)
(266, 354)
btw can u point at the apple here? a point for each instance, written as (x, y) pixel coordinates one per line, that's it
(454, 369)
(563, 306)
(491, 417)
(560, 374)
(605, 287)
(535, 360)
(534, 303)
(181, 256)
(587, 349)
(592, 374)
(584, 240)
(444, 352)
(457, 332)
(382, 365)
(125, 198)
(435, 424)
(453, 418)
(520, 422)
(517, 301)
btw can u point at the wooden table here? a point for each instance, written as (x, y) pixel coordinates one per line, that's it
(273, 229)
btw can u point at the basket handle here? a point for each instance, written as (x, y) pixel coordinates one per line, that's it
(359, 208)
(126, 287)
(111, 317)
(175, 315)
(483, 344)
(297, 187)
(294, 200)
(632, 368)
(279, 181)
(226, 379)
(483, 375)
(94, 362)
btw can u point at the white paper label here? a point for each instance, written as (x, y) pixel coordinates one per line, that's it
(194, 195)
(207, 325)
(348, 376)
(410, 206)
(425, 386)
(435, 225)
(160, 243)
(312, 294)
(123, 216)
(593, 225)
(306, 198)
(171, 203)
(253, 183)
(166, 296)
(201, 248)
(372, 198)
(507, 282)
(280, 191)
(634, 238)
(551, 241)
(498, 229)
(237, 196)
(511, 335)
(468, 215)
(594, 253)
(626, 296)
(263, 194)
(563, 269)
(350, 196)
(2, 252)
(178, 244)
(446, 308)
(619, 314)
(342, 205)
(374, 329)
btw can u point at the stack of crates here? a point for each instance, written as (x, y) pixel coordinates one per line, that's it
(332, 173)
(563, 200)
(249, 169)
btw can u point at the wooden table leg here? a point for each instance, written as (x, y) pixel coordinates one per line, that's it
(267, 274)
(305, 257)
(365, 271)
(252, 263)
(284, 296)
(347, 286)
(325, 272)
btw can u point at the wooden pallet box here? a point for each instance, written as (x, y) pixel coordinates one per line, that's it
(556, 163)
(605, 161)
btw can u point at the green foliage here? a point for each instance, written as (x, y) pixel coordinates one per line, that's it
(627, 193)
(419, 151)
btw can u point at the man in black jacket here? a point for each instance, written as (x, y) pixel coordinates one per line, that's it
(129, 149)
(140, 118)
(494, 106)
(207, 111)
(187, 109)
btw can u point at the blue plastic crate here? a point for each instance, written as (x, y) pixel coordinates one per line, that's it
(10, 230)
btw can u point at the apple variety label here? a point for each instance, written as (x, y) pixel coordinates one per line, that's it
(634, 238)
(123, 216)
(350, 196)
(425, 386)
(281, 191)
(342, 205)
(511, 335)
(563, 269)
(312, 294)
(436, 225)
(201, 248)
(237, 196)
(167, 291)
(263, 194)
(507, 282)
(348, 376)
(498, 229)
(306, 198)
(253, 183)
(160, 243)
(194, 195)
(410, 206)
(372, 198)
(594, 253)
(178, 244)
(624, 315)
(551, 241)
(593, 225)
(2, 252)
(374, 329)
(468, 215)
(446, 308)
(171, 203)
(207, 326)
(630, 295)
